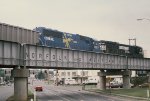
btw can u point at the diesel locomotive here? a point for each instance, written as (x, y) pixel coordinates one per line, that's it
(55, 38)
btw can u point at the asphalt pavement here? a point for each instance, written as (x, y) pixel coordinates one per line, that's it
(62, 93)
(6, 91)
(71, 93)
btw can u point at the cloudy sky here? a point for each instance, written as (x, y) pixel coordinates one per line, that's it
(114, 20)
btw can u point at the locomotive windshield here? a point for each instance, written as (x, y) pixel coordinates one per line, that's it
(49, 33)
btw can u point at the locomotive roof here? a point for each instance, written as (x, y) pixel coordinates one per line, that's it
(104, 41)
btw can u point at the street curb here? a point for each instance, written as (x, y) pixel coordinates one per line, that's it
(133, 97)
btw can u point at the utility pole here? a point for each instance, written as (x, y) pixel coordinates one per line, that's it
(56, 77)
(48, 77)
(148, 90)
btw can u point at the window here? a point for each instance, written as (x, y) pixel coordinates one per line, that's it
(63, 74)
(74, 74)
(68, 73)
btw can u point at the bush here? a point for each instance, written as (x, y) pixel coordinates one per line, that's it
(139, 80)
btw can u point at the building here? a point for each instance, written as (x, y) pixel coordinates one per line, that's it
(87, 76)
(80, 76)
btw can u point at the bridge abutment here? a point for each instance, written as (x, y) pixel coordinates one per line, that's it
(20, 84)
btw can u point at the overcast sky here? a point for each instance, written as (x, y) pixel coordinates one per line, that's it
(113, 20)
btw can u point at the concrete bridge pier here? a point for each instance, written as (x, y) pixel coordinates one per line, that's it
(20, 84)
(148, 74)
(126, 79)
(102, 80)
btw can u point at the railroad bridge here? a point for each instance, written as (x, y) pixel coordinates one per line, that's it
(22, 57)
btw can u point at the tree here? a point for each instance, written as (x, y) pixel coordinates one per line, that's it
(2, 73)
(139, 80)
(40, 75)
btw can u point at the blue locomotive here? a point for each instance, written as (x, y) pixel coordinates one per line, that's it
(54, 38)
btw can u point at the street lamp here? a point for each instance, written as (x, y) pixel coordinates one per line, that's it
(143, 19)
(148, 89)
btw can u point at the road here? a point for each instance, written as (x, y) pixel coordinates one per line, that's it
(61, 93)
(5, 92)
(71, 93)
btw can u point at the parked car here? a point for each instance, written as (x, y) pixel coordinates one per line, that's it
(144, 85)
(116, 85)
(70, 81)
(2, 83)
(38, 88)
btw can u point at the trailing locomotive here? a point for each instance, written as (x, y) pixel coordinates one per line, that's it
(54, 38)
(121, 49)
